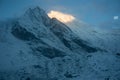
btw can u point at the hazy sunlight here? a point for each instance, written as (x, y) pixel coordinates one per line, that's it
(65, 18)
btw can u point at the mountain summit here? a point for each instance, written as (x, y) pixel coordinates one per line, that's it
(36, 47)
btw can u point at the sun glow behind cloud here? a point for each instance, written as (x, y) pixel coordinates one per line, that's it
(116, 17)
(65, 18)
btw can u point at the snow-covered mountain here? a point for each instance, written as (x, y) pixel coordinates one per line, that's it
(35, 47)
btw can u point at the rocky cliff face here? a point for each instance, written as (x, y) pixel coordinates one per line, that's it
(35, 47)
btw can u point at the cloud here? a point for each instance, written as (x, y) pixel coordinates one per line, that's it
(65, 18)
(116, 17)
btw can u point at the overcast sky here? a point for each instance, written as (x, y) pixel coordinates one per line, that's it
(89, 11)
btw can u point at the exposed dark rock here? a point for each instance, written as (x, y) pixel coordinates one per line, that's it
(84, 46)
(88, 56)
(69, 75)
(50, 52)
(28, 78)
(107, 79)
(66, 43)
(21, 33)
(117, 54)
(37, 66)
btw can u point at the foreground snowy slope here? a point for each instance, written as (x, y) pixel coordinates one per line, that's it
(35, 47)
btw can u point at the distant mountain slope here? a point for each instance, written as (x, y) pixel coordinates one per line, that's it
(35, 47)
(105, 39)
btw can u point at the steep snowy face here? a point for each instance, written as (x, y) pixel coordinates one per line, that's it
(36, 47)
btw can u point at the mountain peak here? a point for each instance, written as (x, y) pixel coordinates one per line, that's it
(36, 15)
(36, 9)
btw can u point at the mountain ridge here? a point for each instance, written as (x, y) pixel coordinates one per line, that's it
(35, 47)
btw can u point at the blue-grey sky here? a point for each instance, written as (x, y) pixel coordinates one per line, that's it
(89, 11)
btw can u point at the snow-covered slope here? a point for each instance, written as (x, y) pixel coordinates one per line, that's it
(105, 39)
(35, 47)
